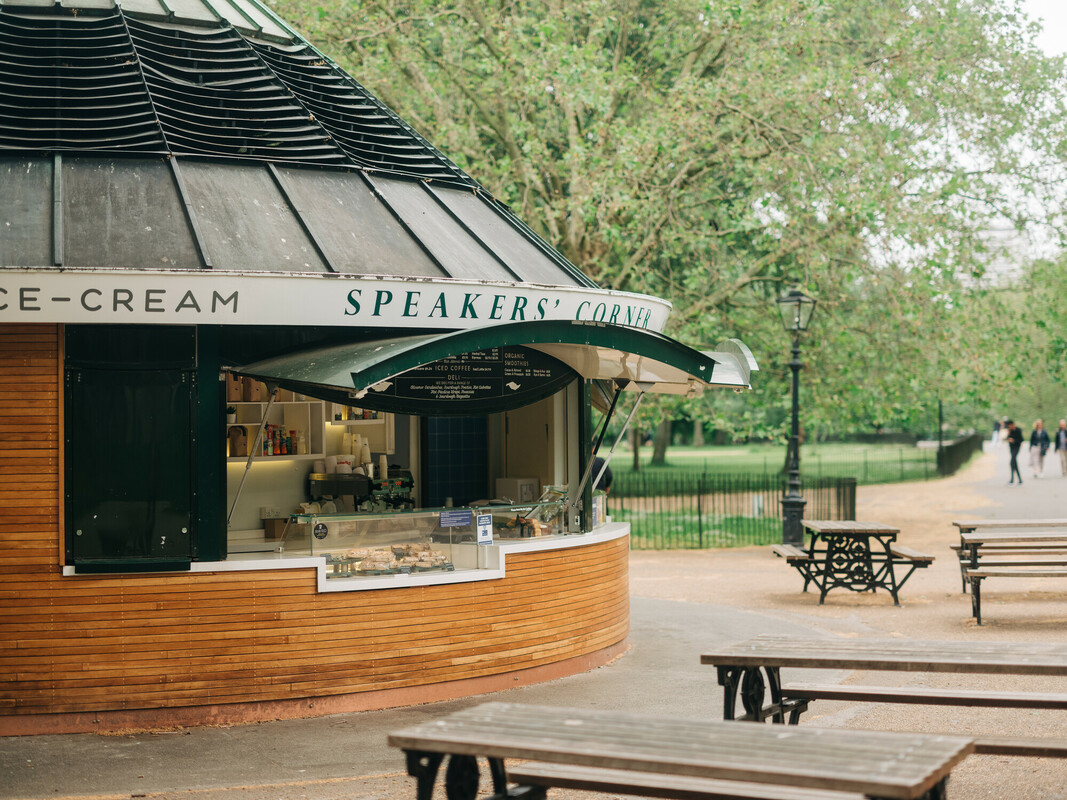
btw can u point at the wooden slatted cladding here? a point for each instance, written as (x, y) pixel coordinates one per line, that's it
(153, 641)
(141, 641)
(30, 391)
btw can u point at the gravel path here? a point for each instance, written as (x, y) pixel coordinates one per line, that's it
(932, 608)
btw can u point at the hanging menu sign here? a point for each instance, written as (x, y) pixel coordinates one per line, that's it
(496, 379)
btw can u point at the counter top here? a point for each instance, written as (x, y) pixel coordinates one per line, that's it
(492, 557)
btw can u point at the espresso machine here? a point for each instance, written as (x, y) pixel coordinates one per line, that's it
(353, 492)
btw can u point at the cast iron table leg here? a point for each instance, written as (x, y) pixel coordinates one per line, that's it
(423, 768)
(749, 684)
(972, 562)
(893, 587)
(939, 791)
(461, 778)
(976, 599)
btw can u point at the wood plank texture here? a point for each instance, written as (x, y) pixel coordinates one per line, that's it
(1002, 524)
(886, 765)
(1020, 746)
(847, 526)
(923, 695)
(1014, 537)
(972, 657)
(899, 551)
(654, 784)
(116, 642)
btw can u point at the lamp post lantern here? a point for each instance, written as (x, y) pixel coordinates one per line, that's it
(796, 309)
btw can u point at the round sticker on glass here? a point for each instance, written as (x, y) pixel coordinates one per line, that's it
(320, 530)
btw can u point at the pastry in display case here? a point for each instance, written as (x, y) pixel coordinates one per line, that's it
(396, 560)
(413, 542)
(378, 544)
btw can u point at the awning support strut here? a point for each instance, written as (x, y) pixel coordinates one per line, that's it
(273, 389)
(574, 502)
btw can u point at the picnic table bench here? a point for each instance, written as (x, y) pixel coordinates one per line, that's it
(1012, 548)
(969, 525)
(668, 757)
(751, 670)
(860, 556)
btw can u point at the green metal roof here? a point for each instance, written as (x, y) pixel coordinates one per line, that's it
(208, 134)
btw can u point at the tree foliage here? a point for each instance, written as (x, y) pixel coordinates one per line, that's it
(717, 153)
(1027, 374)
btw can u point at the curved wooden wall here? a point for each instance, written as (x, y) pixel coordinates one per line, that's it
(97, 644)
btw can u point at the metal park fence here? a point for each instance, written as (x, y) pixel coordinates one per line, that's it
(688, 510)
(892, 464)
(873, 464)
(954, 455)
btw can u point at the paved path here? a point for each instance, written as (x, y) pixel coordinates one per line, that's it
(681, 603)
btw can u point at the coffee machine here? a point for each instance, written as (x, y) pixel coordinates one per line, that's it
(353, 492)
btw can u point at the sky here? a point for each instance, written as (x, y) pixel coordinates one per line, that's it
(1053, 39)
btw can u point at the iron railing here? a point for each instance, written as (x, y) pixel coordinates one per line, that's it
(873, 464)
(689, 510)
(955, 454)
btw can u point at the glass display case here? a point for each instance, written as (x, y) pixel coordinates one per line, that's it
(391, 543)
(412, 542)
(543, 518)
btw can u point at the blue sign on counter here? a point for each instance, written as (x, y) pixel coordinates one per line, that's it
(456, 518)
(485, 529)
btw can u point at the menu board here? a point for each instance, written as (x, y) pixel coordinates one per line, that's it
(496, 379)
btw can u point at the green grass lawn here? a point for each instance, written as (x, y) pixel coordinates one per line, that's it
(658, 531)
(866, 463)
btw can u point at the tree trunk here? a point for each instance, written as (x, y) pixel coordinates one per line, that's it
(698, 433)
(635, 437)
(660, 442)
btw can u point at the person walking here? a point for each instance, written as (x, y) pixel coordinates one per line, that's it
(1039, 443)
(996, 430)
(1015, 441)
(1059, 442)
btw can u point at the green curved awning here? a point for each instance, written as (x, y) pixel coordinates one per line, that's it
(631, 358)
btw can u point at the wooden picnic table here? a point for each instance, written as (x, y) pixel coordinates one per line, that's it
(997, 553)
(1052, 537)
(750, 670)
(866, 763)
(856, 555)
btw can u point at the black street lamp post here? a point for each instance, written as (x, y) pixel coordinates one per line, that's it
(796, 309)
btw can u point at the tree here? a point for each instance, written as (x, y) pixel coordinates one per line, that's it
(718, 153)
(1025, 365)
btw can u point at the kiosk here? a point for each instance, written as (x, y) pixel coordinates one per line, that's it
(267, 355)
